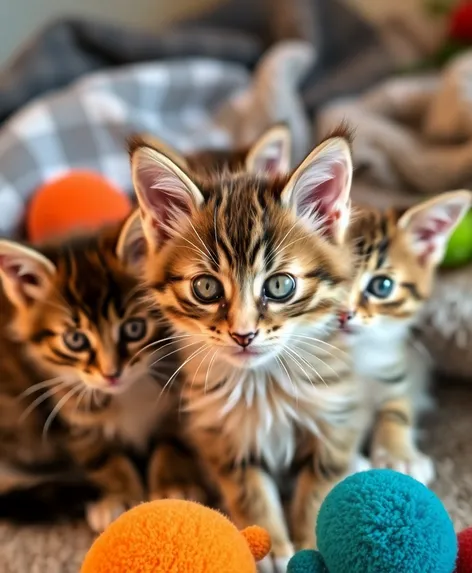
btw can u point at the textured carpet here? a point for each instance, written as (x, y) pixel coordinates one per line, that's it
(60, 549)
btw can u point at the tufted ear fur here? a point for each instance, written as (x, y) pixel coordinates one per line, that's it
(131, 245)
(271, 153)
(166, 194)
(319, 189)
(429, 225)
(25, 273)
(162, 147)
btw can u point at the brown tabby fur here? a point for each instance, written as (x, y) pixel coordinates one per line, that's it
(296, 415)
(93, 434)
(402, 248)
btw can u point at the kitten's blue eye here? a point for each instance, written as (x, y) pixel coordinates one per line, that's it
(279, 287)
(381, 286)
(76, 340)
(207, 289)
(133, 329)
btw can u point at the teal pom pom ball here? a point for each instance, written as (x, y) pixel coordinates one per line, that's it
(307, 561)
(381, 521)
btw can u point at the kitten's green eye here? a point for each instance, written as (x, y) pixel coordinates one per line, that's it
(207, 289)
(381, 286)
(279, 287)
(133, 329)
(76, 340)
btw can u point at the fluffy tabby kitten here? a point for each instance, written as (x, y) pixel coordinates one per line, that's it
(397, 259)
(80, 382)
(250, 269)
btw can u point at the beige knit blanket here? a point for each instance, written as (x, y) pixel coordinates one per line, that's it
(413, 138)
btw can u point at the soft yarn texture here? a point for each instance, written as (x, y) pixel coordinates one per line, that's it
(382, 521)
(170, 536)
(73, 202)
(258, 540)
(464, 559)
(307, 561)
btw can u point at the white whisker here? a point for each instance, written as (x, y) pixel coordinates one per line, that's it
(280, 243)
(306, 364)
(216, 231)
(43, 398)
(281, 363)
(199, 366)
(297, 363)
(156, 342)
(194, 247)
(212, 256)
(41, 385)
(209, 370)
(90, 399)
(319, 341)
(80, 398)
(58, 407)
(174, 352)
(313, 355)
(193, 355)
(284, 248)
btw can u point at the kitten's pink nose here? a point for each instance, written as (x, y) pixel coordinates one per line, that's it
(345, 316)
(243, 339)
(112, 379)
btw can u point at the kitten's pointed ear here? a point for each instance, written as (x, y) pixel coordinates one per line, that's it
(26, 274)
(272, 152)
(319, 189)
(131, 244)
(162, 147)
(429, 225)
(167, 196)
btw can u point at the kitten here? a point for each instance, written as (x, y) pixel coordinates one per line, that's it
(81, 383)
(250, 268)
(398, 255)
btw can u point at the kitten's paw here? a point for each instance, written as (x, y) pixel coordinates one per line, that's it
(360, 464)
(102, 513)
(415, 464)
(272, 564)
(182, 491)
(175, 475)
(277, 561)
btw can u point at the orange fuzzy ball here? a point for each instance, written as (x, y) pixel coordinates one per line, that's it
(258, 540)
(80, 200)
(174, 536)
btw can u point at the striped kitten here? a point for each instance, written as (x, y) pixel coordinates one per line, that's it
(398, 256)
(78, 391)
(250, 268)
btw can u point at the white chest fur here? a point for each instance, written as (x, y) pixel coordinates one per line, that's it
(261, 411)
(392, 368)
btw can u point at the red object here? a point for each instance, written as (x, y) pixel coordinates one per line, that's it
(80, 200)
(464, 559)
(460, 24)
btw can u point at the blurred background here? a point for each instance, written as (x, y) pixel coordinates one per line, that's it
(22, 18)
(77, 77)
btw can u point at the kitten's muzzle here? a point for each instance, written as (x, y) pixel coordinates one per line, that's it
(244, 340)
(112, 379)
(345, 317)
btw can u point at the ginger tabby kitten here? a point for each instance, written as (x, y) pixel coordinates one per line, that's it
(397, 258)
(250, 268)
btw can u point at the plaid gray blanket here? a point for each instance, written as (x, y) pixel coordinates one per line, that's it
(191, 104)
(214, 82)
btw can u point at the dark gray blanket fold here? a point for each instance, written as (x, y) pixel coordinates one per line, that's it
(351, 56)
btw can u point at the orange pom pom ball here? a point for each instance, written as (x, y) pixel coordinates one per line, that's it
(175, 536)
(80, 200)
